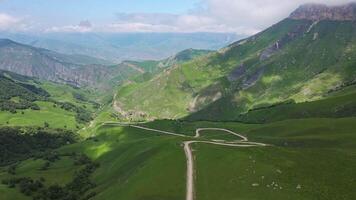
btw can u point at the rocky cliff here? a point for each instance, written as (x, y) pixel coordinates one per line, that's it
(318, 12)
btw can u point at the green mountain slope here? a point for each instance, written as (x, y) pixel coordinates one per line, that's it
(76, 70)
(152, 67)
(26, 101)
(335, 105)
(294, 60)
(134, 93)
(318, 61)
(118, 47)
(294, 83)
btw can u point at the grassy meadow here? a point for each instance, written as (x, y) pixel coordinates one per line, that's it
(309, 159)
(54, 116)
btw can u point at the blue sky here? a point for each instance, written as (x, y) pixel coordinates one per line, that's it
(244, 17)
(96, 8)
(93, 9)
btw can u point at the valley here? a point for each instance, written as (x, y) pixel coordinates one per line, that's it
(271, 116)
(131, 157)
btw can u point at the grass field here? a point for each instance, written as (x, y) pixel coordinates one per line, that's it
(74, 106)
(55, 117)
(65, 93)
(309, 159)
(293, 85)
(218, 135)
(11, 194)
(129, 160)
(338, 104)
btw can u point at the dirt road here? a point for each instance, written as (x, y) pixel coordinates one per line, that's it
(190, 191)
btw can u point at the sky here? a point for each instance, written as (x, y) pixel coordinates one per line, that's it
(244, 17)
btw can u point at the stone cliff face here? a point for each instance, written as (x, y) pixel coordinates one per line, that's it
(318, 12)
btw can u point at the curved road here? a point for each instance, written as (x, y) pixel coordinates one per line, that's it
(197, 132)
(190, 195)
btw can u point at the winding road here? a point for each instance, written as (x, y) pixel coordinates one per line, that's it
(190, 191)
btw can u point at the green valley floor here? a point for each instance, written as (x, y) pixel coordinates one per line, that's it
(304, 159)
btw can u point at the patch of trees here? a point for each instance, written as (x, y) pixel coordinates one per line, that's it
(82, 115)
(95, 104)
(74, 190)
(17, 144)
(26, 185)
(10, 88)
(26, 93)
(49, 156)
(79, 97)
(342, 86)
(12, 169)
(11, 106)
(39, 91)
(288, 102)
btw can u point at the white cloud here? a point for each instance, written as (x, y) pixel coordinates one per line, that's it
(7, 21)
(82, 27)
(16, 24)
(162, 22)
(254, 14)
(137, 27)
(244, 17)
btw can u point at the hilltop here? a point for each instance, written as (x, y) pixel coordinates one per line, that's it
(318, 12)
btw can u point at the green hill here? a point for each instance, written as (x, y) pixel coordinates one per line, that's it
(136, 95)
(290, 91)
(138, 164)
(294, 60)
(75, 70)
(335, 105)
(26, 101)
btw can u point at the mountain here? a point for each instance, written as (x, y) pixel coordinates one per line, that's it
(299, 59)
(153, 66)
(75, 70)
(47, 65)
(117, 47)
(318, 12)
(140, 89)
(294, 83)
(26, 101)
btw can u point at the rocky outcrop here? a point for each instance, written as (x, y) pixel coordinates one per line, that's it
(318, 12)
(237, 73)
(295, 33)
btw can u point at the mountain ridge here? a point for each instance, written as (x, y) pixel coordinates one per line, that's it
(295, 59)
(123, 46)
(318, 12)
(52, 66)
(44, 64)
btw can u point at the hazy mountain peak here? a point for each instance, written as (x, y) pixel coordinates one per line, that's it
(317, 12)
(4, 42)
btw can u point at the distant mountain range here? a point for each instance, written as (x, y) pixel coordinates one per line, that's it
(302, 58)
(48, 65)
(305, 57)
(80, 71)
(118, 47)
